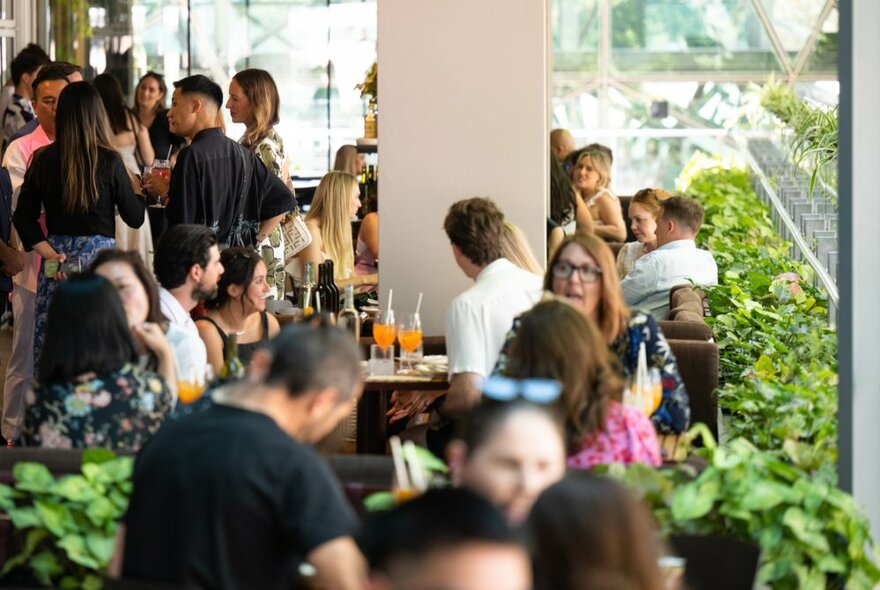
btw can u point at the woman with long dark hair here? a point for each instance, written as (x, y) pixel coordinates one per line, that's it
(89, 390)
(80, 182)
(254, 101)
(238, 308)
(132, 142)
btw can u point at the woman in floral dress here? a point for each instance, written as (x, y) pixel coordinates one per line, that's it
(254, 101)
(90, 392)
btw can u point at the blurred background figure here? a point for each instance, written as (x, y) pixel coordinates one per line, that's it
(592, 178)
(589, 532)
(349, 160)
(446, 538)
(509, 452)
(90, 392)
(644, 208)
(150, 108)
(561, 144)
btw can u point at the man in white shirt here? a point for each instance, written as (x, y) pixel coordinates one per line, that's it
(478, 320)
(187, 266)
(676, 261)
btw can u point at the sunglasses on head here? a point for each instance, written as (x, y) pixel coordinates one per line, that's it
(537, 391)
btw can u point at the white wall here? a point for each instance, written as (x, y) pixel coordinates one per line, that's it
(859, 322)
(463, 111)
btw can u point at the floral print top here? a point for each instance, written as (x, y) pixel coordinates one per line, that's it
(674, 412)
(628, 437)
(117, 411)
(271, 152)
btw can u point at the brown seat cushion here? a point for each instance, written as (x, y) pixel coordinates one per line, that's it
(698, 367)
(682, 329)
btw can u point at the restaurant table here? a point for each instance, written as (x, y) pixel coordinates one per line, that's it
(372, 425)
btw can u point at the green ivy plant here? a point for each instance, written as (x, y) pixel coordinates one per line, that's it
(812, 535)
(67, 526)
(778, 356)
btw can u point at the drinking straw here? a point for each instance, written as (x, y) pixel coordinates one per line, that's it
(399, 465)
(168, 155)
(418, 476)
(419, 304)
(390, 296)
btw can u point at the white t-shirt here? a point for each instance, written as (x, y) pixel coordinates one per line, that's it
(190, 354)
(478, 320)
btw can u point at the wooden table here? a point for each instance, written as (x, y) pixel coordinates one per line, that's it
(372, 425)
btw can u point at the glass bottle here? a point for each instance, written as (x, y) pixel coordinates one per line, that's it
(308, 290)
(371, 121)
(233, 368)
(333, 290)
(348, 318)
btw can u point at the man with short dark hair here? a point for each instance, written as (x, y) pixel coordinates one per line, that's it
(217, 182)
(450, 539)
(68, 70)
(675, 261)
(18, 112)
(233, 497)
(478, 319)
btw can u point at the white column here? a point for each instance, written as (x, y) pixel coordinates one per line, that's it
(463, 112)
(859, 327)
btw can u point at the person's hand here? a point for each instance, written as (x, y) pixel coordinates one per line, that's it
(406, 404)
(156, 185)
(49, 253)
(13, 261)
(151, 336)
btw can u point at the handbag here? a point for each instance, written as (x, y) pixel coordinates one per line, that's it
(296, 234)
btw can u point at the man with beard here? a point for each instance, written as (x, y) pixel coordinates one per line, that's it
(187, 266)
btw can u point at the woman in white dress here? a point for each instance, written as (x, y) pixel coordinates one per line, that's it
(592, 177)
(131, 140)
(643, 210)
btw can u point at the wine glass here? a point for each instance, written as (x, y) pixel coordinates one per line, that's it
(192, 383)
(409, 336)
(385, 329)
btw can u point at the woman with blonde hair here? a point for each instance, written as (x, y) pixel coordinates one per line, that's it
(592, 177)
(557, 341)
(336, 201)
(254, 101)
(515, 247)
(348, 160)
(583, 271)
(643, 211)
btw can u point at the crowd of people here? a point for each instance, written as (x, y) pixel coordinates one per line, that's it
(112, 329)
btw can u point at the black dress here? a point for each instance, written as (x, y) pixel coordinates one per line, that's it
(245, 351)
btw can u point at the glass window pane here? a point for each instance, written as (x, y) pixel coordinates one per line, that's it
(575, 25)
(824, 57)
(793, 21)
(689, 36)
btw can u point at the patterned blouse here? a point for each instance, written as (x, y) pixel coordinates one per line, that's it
(118, 411)
(271, 152)
(628, 437)
(674, 412)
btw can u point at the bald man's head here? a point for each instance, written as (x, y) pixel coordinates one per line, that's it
(561, 143)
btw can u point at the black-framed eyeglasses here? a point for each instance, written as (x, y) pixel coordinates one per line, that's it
(537, 391)
(588, 273)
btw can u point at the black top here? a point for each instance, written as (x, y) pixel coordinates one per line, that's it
(161, 137)
(221, 184)
(245, 351)
(43, 188)
(225, 499)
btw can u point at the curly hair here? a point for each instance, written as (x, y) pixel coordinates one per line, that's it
(556, 341)
(476, 226)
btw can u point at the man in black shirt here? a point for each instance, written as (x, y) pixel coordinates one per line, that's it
(232, 498)
(216, 181)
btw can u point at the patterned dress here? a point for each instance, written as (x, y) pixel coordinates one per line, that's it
(627, 437)
(271, 151)
(117, 411)
(674, 412)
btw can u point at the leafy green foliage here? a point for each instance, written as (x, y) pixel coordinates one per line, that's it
(812, 535)
(813, 140)
(778, 356)
(67, 525)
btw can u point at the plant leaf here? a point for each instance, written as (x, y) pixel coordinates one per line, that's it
(32, 477)
(75, 548)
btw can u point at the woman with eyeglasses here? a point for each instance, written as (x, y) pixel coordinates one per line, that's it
(509, 452)
(583, 271)
(555, 341)
(643, 210)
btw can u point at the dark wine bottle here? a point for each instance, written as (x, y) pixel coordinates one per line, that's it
(333, 289)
